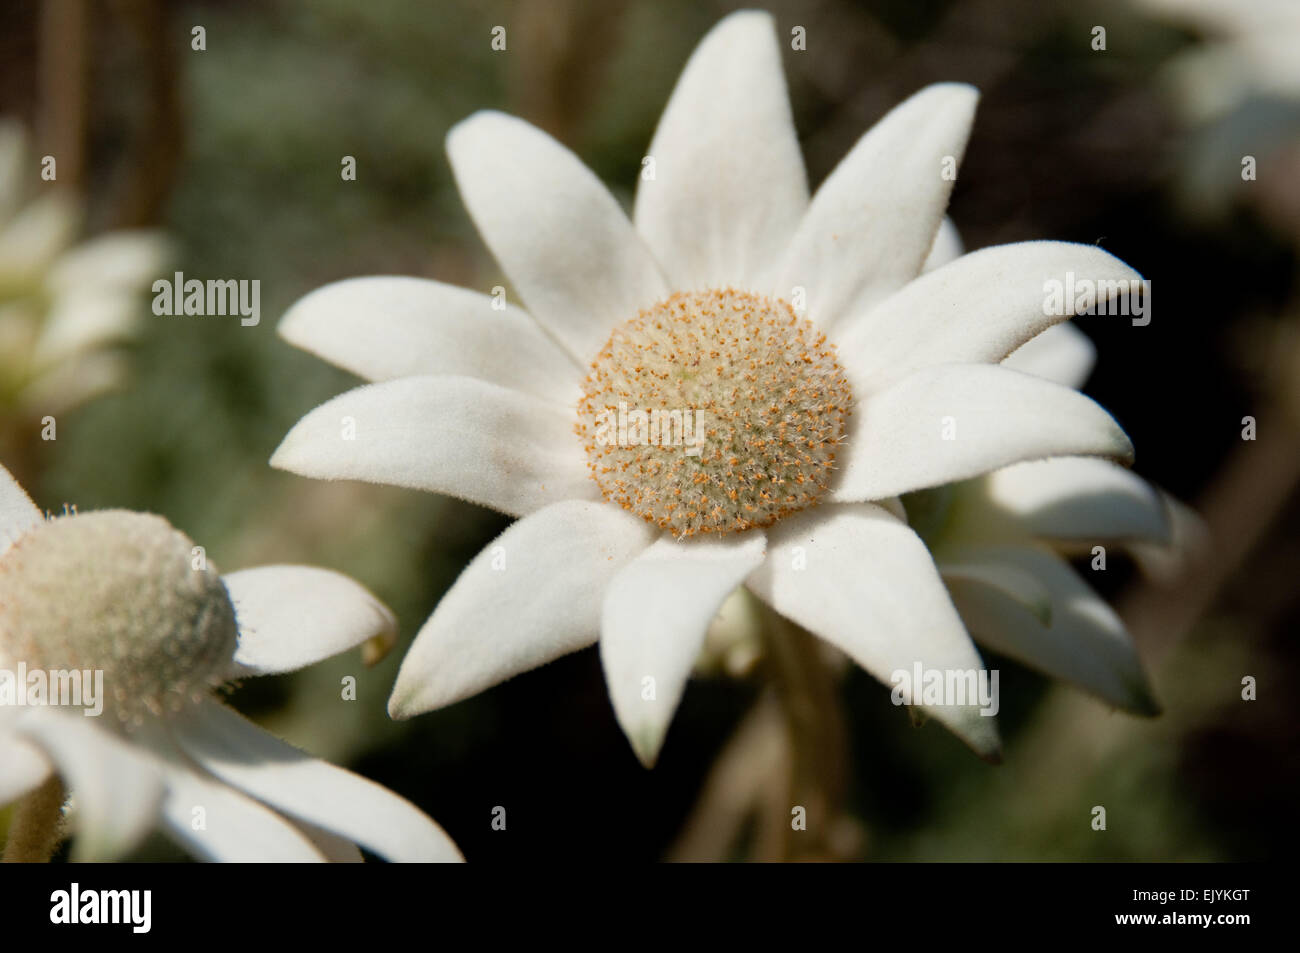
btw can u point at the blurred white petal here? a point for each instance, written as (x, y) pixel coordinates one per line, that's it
(126, 261)
(1085, 644)
(36, 235)
(217, 823)
(1062, 353)
(73, 381)
(1078, 499)
(246, 757)
(1189, 543)
(1016, 584)
(25, 766)
(117, 788)
(91, 318)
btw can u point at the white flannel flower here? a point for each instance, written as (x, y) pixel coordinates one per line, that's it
(126, 595)
(826, 369)
(63, 304)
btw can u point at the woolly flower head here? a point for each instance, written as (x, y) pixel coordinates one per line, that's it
(754, 374)
(63, 303)
(114, 631)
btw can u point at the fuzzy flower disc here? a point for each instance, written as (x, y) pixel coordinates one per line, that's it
(117, 592)
(714, 412)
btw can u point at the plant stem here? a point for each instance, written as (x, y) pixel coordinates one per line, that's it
(37, 827)
(818, 738)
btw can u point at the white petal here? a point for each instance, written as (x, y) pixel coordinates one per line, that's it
(1016, 584)
(293, 616)
(1085, 644)
(85, 320)
(955, 421)
(1062, 353)
(36, 235)
(74, 381)
(863, 581)
(117, 788)
(532, 596)
(729, 185)
(558, 234)
(1078, 498)
(947, 246)
(656, 613)
(122, 261)
(1269, 17)
(733, 641)
(977, 309)
(333, 848)
(893, 505)
(1189, 543)
(217, 823)
(453, 435)
(382, 328)
(25, 767)
(872, 222)
(246, 757)
(18, 513)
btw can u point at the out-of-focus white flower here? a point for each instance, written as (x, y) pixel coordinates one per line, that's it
(126, 595)
(63, 304)
(1251, 49)
(826, 370)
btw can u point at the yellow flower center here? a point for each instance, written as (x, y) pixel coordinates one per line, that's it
(119, 593)
(714, 412)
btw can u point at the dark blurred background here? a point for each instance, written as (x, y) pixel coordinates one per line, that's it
(235, 151)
